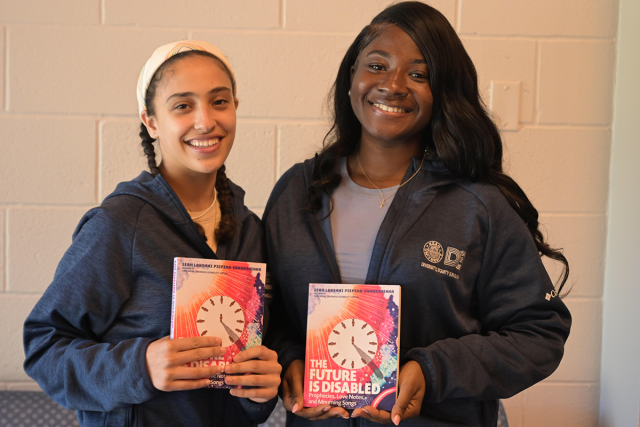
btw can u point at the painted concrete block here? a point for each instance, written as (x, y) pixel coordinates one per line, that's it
(89, 70)
(50, 11)
(505, 59)
(14, 309)
(583, 238)
(581, 361)
(514, 407)
(280, 75)
(561, 405)
(2, 73)
(194, 13)
(252, 162)
(561, 169)
(584, 18)
(299, 142)
(121, 155)
(23, 386)
(576, 82)
(60, 171)
(346, 16)
(37, 237)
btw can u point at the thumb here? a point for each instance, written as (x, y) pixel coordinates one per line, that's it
(401, 405)
(292, 394)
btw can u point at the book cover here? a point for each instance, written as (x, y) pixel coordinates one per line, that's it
(218, 298)
(352, 346)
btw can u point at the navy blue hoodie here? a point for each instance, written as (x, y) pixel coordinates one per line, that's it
(478, 310)
(86, 339)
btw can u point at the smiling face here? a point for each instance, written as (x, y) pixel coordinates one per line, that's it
(194, 117)
(390, 91)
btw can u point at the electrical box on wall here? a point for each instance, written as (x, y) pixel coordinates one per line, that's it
(505, 104)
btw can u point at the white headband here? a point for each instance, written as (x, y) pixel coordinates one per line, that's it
(167, 51)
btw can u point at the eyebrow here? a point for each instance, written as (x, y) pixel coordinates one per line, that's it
(187, 94)
(386, 56)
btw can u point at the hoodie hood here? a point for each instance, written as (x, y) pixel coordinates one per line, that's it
(153, 189)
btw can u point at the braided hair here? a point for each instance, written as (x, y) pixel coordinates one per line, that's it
(227, 227)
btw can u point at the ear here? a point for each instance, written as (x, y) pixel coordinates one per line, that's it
(353, 70)
(236, 101)
(150, 123)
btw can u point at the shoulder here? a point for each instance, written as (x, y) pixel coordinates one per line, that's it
(488, 196)
(291, 185)
(116, 214)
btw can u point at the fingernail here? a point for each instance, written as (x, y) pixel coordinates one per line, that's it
(326, 408)
(354, 415)
(365, 410)
(396, 419)
(295, 408)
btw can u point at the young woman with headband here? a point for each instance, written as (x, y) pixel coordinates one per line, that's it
(97, 341)
(410, 191)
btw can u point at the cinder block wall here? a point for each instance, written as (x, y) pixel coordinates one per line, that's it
(68, 131)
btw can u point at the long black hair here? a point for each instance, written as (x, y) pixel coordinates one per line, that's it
(460, 134)
(227, 227)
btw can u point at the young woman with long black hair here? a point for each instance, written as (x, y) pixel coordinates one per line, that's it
(410, 191)
(97, 341)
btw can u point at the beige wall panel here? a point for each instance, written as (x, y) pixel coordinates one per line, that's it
(280, 75)
(587, 18)
(505, 60)
(561, 169)
(581, 361)
(561, 405)
(2, 69)
(50, 11)
(47, 160)
(121, 154)
(299, 142)
(583, 241)
(194, 13)
(14, 309)
(31, 230)
(79, 70)
(351, 16)
(2, 246)
(252, 162)
(576, 82)
(514, 407)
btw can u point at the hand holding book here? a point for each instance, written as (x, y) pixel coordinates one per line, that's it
(256, 367)
(167, 361)
(293, 396)
(411, 389)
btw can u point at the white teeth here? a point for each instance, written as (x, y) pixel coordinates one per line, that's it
(206, 143)
(390, 109)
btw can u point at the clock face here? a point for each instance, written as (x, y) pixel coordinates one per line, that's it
(352, 343)
(221, 316)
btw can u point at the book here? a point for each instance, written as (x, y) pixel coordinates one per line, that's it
(352, 346)
(218, 298)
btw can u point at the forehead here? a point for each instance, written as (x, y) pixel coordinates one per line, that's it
(393, 41)
(193, 72)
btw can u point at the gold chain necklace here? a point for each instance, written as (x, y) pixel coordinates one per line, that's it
(384, 199)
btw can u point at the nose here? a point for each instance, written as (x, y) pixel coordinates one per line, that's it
(394, 83)
(205, 119)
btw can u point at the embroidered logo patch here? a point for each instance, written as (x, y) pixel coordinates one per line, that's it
(454, 257)
(433, 251)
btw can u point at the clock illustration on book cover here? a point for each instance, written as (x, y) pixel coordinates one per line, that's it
(353, 344)
(221, 316)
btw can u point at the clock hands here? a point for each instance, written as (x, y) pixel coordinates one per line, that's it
(232, 335)
(366, 359)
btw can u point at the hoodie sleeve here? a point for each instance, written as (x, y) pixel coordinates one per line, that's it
(524, 327)
(64, 350)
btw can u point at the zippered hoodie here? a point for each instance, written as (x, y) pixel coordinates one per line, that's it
(86, 339)
(477, 309)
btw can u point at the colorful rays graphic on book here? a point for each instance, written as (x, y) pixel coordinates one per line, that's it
(352, 345)
(222, 299)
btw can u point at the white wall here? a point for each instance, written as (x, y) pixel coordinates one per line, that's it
(620, 377)
(68, 131)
